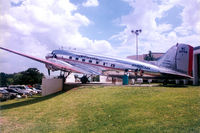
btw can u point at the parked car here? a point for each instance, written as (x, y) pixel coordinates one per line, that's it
(36, 91)
(3, 88)
(39, 91)
(22, 89)
(4, 95)
(37, 86)
(14, 92)
(27, 88)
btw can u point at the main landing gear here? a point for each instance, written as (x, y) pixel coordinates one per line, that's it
(84, 79)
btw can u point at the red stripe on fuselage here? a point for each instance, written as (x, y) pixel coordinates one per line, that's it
(190, 60)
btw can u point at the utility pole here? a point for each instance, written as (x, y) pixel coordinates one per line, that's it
(136, 32)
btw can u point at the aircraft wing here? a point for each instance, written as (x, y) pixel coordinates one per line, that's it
(95, 70)
(56, 65)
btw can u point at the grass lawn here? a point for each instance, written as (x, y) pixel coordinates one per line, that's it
(106, 109)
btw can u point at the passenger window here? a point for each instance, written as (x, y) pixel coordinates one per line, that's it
(70, 57)
(83, 60)
(104, 63)
(76, 58)
(97, 62)
(90, 61)
(112, 65)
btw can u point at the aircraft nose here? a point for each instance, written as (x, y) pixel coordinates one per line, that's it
(50, 55)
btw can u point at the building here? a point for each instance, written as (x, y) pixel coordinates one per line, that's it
(141, 57)
(196, 66)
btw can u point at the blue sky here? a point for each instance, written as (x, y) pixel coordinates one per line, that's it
(104, 19)
(172, 16)
(37, 27)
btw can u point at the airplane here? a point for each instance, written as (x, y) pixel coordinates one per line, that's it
(176, 63)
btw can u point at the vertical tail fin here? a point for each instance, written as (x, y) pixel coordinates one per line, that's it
(178, 58)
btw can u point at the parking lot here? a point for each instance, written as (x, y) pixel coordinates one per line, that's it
(18, 91)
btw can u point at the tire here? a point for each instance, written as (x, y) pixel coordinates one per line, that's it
(84, 80)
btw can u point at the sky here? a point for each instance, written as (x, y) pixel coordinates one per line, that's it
(36, 27)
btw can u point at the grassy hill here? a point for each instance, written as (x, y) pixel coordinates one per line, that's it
(106, 109)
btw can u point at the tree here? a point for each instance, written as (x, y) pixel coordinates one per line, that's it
(96, 78)
(3, 79)
(30, 76)
(17, 78)
(149, 57)
(6, 79)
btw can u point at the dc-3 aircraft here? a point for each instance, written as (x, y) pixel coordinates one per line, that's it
(176, 63)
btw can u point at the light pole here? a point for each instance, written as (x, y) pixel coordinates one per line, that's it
(136, 32)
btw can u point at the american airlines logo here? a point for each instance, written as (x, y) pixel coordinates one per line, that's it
(183, 50)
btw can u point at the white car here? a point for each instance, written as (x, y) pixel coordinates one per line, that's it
(34, 90)
(22, 89)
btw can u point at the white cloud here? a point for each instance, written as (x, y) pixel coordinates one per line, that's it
(102, 46)
(159, 37)
(91, 3)
(191, 15)
(36, 27)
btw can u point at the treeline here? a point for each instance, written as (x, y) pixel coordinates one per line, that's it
(29, 77)
(149, 57)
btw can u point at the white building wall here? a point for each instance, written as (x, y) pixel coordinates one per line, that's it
(50, 86)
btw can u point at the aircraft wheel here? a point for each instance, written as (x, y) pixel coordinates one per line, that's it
(84, 80)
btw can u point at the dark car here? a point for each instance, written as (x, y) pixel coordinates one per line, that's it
(21, 89)
(14, 92)
(4, 95)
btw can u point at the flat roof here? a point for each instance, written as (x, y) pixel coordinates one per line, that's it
(198, 47)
